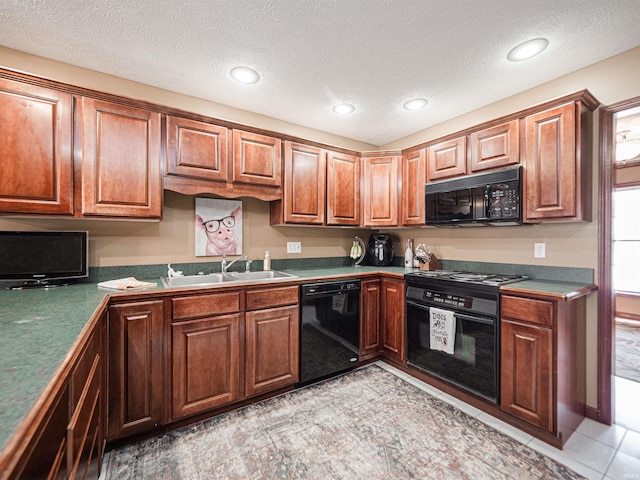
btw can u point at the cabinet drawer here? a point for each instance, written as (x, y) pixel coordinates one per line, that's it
(205, 305)
(83, 367)
(527, 309)
(80, 435)
(271, 297)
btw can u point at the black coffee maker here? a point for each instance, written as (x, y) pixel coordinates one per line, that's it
(380, 250)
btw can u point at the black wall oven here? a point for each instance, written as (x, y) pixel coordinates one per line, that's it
(492, 198)
(473, 300)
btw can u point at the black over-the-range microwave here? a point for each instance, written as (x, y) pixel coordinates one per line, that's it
(491, 198)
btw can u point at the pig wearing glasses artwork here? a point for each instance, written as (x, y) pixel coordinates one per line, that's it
(218, 227)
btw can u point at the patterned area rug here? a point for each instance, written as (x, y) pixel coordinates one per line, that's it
(628, 352)
(365, 424)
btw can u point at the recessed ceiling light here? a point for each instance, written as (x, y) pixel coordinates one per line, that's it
(343, 108)
(244, 75)
(528, 49)
(415, 104)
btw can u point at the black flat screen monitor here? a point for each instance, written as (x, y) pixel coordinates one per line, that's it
(43, 259)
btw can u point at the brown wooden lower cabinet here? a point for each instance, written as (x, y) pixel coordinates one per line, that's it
(135, 367)
(369, 319)
(85, 431)
(527, 373)
(205, 364)
(46, 455)
(543, 371)
(272, 353)
(392, 319)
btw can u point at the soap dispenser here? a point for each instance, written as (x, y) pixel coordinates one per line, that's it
(267, 261)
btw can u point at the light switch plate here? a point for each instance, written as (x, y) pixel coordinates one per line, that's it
(539, 250)
(294, 247)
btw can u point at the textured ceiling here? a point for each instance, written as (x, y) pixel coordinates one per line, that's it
(311, 54)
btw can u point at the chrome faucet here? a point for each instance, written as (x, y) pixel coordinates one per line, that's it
(225, 266)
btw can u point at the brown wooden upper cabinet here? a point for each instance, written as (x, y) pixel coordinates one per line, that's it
(381, 176)
(320, 187)
(305, 170)
(414, 178)
(120, 163)
(556, 158)
(447, 159)
(495, 147)
(257, 159)
(36, 149)
(196, 149)
(343, 189)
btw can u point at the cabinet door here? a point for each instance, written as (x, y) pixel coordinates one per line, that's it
(256, 159)
(272, 353)
(135, 367)
(550, 161)
(120, 161)
(381, 191)
(495, 147)
(392, 320)
(196, 149)
(343, 189)
(527, 373)
(36, 150)
(414, 178)
(305, 170)
(45, 455)
(447, 159)
(205, 363)
(85, 432)
(369, 318)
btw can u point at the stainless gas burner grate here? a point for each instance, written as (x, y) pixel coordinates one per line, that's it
(470, 276)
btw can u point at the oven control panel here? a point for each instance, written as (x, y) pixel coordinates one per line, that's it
(447, 300)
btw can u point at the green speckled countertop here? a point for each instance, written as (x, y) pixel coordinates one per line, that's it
(554, 290)
(38, 328)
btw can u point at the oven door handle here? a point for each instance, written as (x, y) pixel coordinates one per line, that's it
(461, 316)
(486, 321)
(418, 305)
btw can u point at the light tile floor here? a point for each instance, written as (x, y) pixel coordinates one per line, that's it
(596, 451)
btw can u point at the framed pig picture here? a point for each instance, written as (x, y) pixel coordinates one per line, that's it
(218, 227)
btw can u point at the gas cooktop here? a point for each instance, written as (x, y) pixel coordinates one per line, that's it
(469, 277)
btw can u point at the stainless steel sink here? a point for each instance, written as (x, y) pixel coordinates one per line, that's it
(267, 275)
(194, 280)
(222, 278)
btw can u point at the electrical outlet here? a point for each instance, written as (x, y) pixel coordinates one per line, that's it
(539, 250)
(294, 247)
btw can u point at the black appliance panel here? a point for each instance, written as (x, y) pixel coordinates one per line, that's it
(474, 363)
(329, 329)
(493, 197)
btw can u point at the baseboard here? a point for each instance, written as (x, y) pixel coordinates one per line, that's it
(628, 321)
(595, 414)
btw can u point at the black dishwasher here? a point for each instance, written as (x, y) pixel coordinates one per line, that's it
(329, 329)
